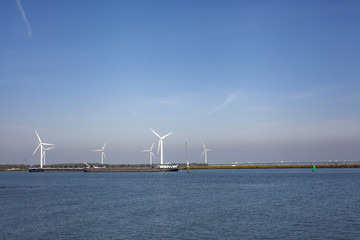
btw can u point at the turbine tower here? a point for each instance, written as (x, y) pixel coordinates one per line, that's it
(161, 145)
(42, 149)
(205, 153)
(150, 153)
(45, 149)
(102, 153)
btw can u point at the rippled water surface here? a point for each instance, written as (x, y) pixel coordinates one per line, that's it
(206, 204)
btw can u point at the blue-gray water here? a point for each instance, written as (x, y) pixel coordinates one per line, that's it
(206, 204)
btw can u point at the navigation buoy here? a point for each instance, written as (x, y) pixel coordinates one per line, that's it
(314, 169)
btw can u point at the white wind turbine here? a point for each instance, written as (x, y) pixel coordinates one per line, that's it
(205, 153)
(150, 153)
(42, 149)
(161, 145)
(45, 149)
(102, 153)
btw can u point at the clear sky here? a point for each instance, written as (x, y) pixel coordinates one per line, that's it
(255, 80)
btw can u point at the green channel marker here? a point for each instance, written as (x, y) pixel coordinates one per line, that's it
(314, 169)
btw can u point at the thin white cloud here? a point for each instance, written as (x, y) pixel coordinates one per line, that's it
(228, 100)
(22, 12)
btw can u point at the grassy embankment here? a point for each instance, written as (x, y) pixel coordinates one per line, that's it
(269, 167)
(14, 170)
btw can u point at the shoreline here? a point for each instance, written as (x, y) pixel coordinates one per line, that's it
(235, 167)
(270, 167)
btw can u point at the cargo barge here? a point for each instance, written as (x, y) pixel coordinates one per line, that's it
(56, 169)
(158, 168)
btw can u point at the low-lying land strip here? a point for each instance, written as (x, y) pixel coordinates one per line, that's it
(204, 167)
(271, 167)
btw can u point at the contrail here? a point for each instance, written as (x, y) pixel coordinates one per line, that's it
(228, 100)
(21, 9)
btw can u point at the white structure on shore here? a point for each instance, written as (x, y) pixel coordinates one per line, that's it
(161, 145)
(102, 153)
(46, 149)
(150, 153)
(42, 149)
(205, 153)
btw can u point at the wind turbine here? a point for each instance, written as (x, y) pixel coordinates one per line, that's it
(205, 152)
(41, 146)
(102, 153)
(161, 145)
(45, 149)
(150, 153)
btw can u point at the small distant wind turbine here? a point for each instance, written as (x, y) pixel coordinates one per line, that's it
(41, 146)
(205, 153)
(102, 153)
(150, 153)
(161, 144)
(45, 149)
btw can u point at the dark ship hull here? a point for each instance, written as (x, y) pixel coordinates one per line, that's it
(160, 168)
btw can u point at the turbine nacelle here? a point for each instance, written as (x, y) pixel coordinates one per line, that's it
(161, 138)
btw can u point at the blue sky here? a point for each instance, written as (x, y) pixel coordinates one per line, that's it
(255, 80)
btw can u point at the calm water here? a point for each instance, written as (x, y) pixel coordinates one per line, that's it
(206, 204)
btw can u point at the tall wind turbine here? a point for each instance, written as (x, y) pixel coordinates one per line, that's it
(205, 153)
(45, 149)
(41, 146)
(102, 153)
(150, 153)
(161, 145)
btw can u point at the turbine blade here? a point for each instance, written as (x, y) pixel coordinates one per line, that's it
(38, 136)
(166, 135)
(104, 146)
(47, 144)
(48, 148)
(145, 151)
(104, 155)
(152, 154)
(152, 146)
(36, 149)
(155, 133)
(202, 154)
(203, 145)
(99, 150)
